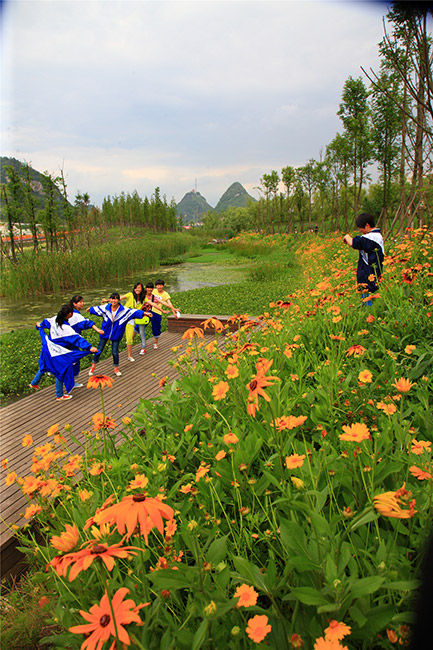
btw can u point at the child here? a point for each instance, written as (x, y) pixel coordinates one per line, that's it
(115, 318)
(163, 298)
(60, 350)
(79, 324)
(371, 254)
(134, 300)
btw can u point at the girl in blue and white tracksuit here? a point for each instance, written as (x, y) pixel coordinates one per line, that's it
(115, 318)
(60, 350)
(79, 323)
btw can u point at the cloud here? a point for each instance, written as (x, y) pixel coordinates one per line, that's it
(161, 93)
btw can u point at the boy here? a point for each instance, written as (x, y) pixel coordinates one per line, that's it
(115, 316)
(371, 254)
(163, 297)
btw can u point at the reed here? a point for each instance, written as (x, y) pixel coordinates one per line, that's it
(59, 271)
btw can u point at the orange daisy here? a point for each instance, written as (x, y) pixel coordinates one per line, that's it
(220, 455)
(232, 371)
(258, 628)
(67, 540)
(213, 322)
(288, 422)
(355, 432)
(220, 390)
(419, 473)
(52, 430)
(295, 460)
(419, 446)
(323, 643)
(247, 596)
(365, 377)
(27, 440)
(355, 350)
(100, 381)
(136, 510)
(230, 438)
(81, 560)
(336, 631)
(101, 422)
(193, 331)
(403, 385)
(101, 625)
(390, 504)
(387, 407)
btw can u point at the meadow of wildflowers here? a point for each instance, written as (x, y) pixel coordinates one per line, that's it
(277, 494)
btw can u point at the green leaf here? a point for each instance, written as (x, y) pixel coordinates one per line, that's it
(200, 635)
(169, 579)
(217, 551)
(292, 536)
(365, 586)
(370, 515)
(404, 585)
(308, 596)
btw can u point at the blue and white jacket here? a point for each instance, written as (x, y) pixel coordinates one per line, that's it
(371, 254)
(79, 323)
(60, 350)
(114, 323)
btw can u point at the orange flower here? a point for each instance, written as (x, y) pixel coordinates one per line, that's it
(370, 318)
(32, 510)
(258, 383)
(140, 481)
(323, 643)
(355, 350)
(232, 371)
(99, 422)
(355, 432)
(163, 381)
(336, 631)
(193, 331)
(67, 540)
(101, 625)
(100, 381)
(53, 430)
(213, 322)
(409, 349)
(389, 504)
(230, 438)
(288, 422)
(81, 560)
(403, 385)
(220, 390)
(96, 469)
(247, 596)
(187, 428)
(420, 474)
(220, 455)
(258, 628)
(27, 441)
(10, 478)
(202, 471)
(387, 407)
(84, 495)
(419, 446)
(365, 377)
(392, 636)
(136, 510)
(294, 461)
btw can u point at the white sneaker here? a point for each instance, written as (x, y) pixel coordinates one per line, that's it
(155, 346)
(78, 385)
(117, 372)
(92, 370)
(143, 351)
(131, 359)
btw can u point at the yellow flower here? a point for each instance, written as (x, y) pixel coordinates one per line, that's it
(210, 609)
(387, 407)
(84, 495)
(355, 432)
(220, 390)
(297, 482)
(67, 540)
(52, 430)
(139, 481)
(295, 460)
(365, 377)
(390, 504)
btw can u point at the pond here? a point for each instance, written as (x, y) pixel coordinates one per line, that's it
(181, 277)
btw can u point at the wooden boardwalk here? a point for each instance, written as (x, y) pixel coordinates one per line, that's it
(37, 412)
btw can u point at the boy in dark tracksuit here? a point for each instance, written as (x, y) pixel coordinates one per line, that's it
(371, 254)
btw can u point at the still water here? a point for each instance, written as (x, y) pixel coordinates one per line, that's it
(181, 277)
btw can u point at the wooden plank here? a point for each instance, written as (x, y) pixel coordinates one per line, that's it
(35, 413)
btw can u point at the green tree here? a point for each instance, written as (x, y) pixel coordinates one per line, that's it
(13, 197)
(30, 206)
(288, 177)
(49, 216)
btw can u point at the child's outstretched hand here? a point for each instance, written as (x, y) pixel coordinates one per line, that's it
(99, 330)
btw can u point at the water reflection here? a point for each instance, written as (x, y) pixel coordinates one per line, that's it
(182, 277)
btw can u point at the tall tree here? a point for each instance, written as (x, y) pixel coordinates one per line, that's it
(288, 176)
(49, 216)
(354, 113)
(30, 206)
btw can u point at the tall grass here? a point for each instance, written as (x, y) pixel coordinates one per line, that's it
(56, 272)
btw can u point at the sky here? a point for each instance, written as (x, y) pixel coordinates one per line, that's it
(129, 95)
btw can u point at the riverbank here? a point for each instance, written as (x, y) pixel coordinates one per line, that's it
(264, 284)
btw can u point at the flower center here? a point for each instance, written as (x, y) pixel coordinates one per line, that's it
(96, 550)
(104, 620)
(139, 497)
(253, 384)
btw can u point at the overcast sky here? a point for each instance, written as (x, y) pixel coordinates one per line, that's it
(134, 94)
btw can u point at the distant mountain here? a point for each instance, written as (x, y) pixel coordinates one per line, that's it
(235, 196)
(192, 206)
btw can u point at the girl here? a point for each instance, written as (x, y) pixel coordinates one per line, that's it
(60, 350)
(160, 297)
(134, 300)
(115, 318)
(79, 324)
